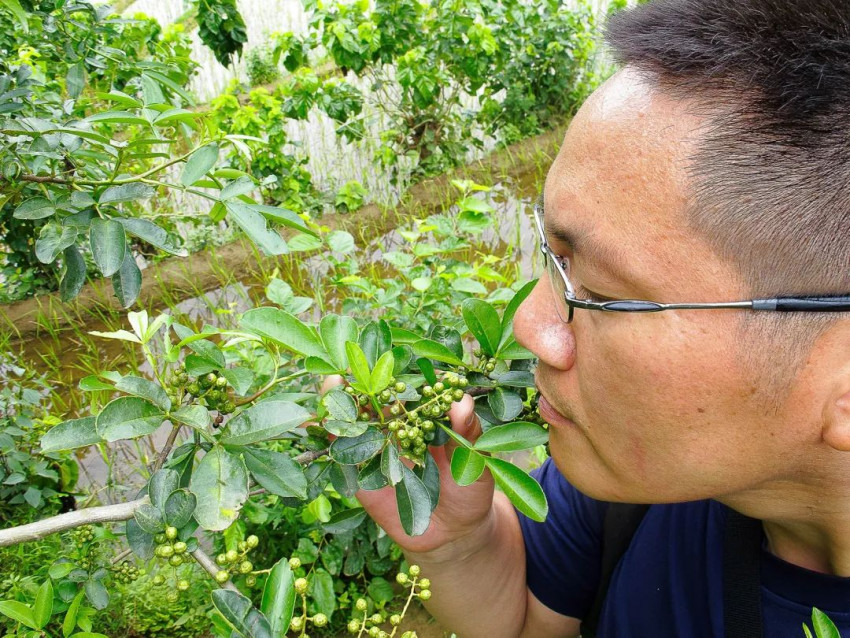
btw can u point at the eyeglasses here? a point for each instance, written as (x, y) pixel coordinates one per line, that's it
(558, 270)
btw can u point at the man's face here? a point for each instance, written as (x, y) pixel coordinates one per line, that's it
(662, 406)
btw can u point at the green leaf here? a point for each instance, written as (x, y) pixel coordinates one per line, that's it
(512, 351)
(429, 474)
(108, 245)
(371, 477)
(276, 472)
(335, 332)
(262, 421)
(322, 590)
(467, 466)
(382, 373)
(255, 226)
(131, 192)
(92, 383)
(345, 428)
(285, 217)
(284, 329)
(435, 350)
(128, 418)
(117, 117)
(345, 521)
(351, 451)
(52, 240)
(380, 590)
(35, 208)
(220, 482)
(71, 615)
(179, 508)
(414, 504)
(823, 626)
(457, 437)
(43, 607)
(278, 602)
(199, 163)
(14, 7)
(358, 363)
(146, 389)
(522, 490)
(340, 405)
(240, 379)
(140, 541)
(240, 614)
(241, 186)
(18, 612)
(155, 235)
(505, 404)
(75, 274)
(516, 379)
(483, 322)
(376, 339)
(194, 415)
(58, 571)
(149, 518)
(511, 308)
(161, 485)
(391, 464)
(511, 437)
(70, 435)
(75, 79)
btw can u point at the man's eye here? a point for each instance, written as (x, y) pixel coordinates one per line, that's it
(584, 294)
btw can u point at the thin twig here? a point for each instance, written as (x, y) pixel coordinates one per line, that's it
(169, 443)
(211, 568)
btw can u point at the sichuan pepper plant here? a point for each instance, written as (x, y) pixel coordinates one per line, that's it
(223, 422)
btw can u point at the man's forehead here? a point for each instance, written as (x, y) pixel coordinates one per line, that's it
(622, 172)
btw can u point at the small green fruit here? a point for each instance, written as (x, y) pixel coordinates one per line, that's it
(182, 584)
(246, 567)
(425, 583)
(222, 576)
(294, 563)
(232, 556)
(425, 594)
(414, 570)
(301, 585)
(320, 620)
(401, 578)
(361, 604)
(171, 532)
(252, 541)
(353, 626)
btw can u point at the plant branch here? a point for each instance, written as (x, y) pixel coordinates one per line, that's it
(70, 520)
(209, 565)
(169, 443)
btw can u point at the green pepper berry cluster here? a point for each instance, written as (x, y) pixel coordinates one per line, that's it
(233, 562)
(370, 625)
(300, 623)
(487, 364)
(417, 426)
(126, 573)
(82, 535)
(208, 389)
(169, 549)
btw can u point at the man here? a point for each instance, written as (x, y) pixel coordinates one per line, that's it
(714, 167)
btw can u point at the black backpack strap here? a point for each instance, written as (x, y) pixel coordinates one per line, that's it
(742, 547)
(619, 526)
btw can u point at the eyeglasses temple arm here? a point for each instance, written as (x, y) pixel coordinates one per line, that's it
(804, 304)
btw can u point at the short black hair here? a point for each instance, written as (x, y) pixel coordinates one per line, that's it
(770, 179)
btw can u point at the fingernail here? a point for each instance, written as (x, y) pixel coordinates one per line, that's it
(470, 418)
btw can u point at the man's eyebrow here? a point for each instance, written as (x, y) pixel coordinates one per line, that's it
(586, 248)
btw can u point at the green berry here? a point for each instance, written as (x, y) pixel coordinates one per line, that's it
(222, 576)
(353, 626)
(376, 619)
(374, 632)
(246, 566)
(320, 620)
(221, 382)
(232, 556)
(171, 532)
(395, 620)
(182, 584)
(414, 570)
(400, 386)
(296, 623)
(401, 578)
(160, 539)
(221, 559)
(349, 389)
(301, 585)
(361, 604)
(457, 394)
(439, 386)
(425, 583)
(386, 395)
(395, 410)
(166, 551)
(210, 379)
(252, 541)
(179, 547)
(425, 594)
(294, 563)
(172, 596)
(427, 391)
(176, 560)
(251, 580)
(159, 579)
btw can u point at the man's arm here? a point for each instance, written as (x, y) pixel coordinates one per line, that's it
(479, 586)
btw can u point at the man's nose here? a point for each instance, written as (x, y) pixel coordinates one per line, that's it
(538, 328)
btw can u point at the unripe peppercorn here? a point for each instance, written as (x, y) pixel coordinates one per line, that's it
(221, 382)
(246, 566)
(425, 583)
(160, 539)
(183, 584)
(171, 532)
(175, 560)
(427, 391)
(179, 547)
(172, 596)
(296, 623)
(395, 410)
(374, 631)
(425, 594)
(211, 378)
(251, 580)
(376, 619)
(221, 559)
(222, 576)
(242, 546)
(457, 394)
(301, 585)
(401, 386)
(252, 541)
(414, 570)
(395, 620)
(166, 551)
(320, 620)
(232, 556)
(401, 578)
(159, 579)
(294, 563)
(361, 604)
(353, 626)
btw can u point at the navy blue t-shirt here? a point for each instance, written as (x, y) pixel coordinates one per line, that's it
(669, 581)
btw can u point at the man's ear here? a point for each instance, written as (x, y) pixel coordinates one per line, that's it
(836, 422)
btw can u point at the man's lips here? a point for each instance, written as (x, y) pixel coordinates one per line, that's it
(551, 415)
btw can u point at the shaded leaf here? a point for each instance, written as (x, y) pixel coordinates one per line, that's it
(285, 329)
(75, 274)
(276, 472)
(240, 614)
(278, 602)
(126, 193)
(128, 418)
(345, 521)
(220, 482)
(146, 389)
(108, 245)
(351, 451)
(414, 504)
(262, 421)
(70, 435)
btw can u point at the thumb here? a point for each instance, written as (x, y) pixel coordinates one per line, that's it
(464, 420)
